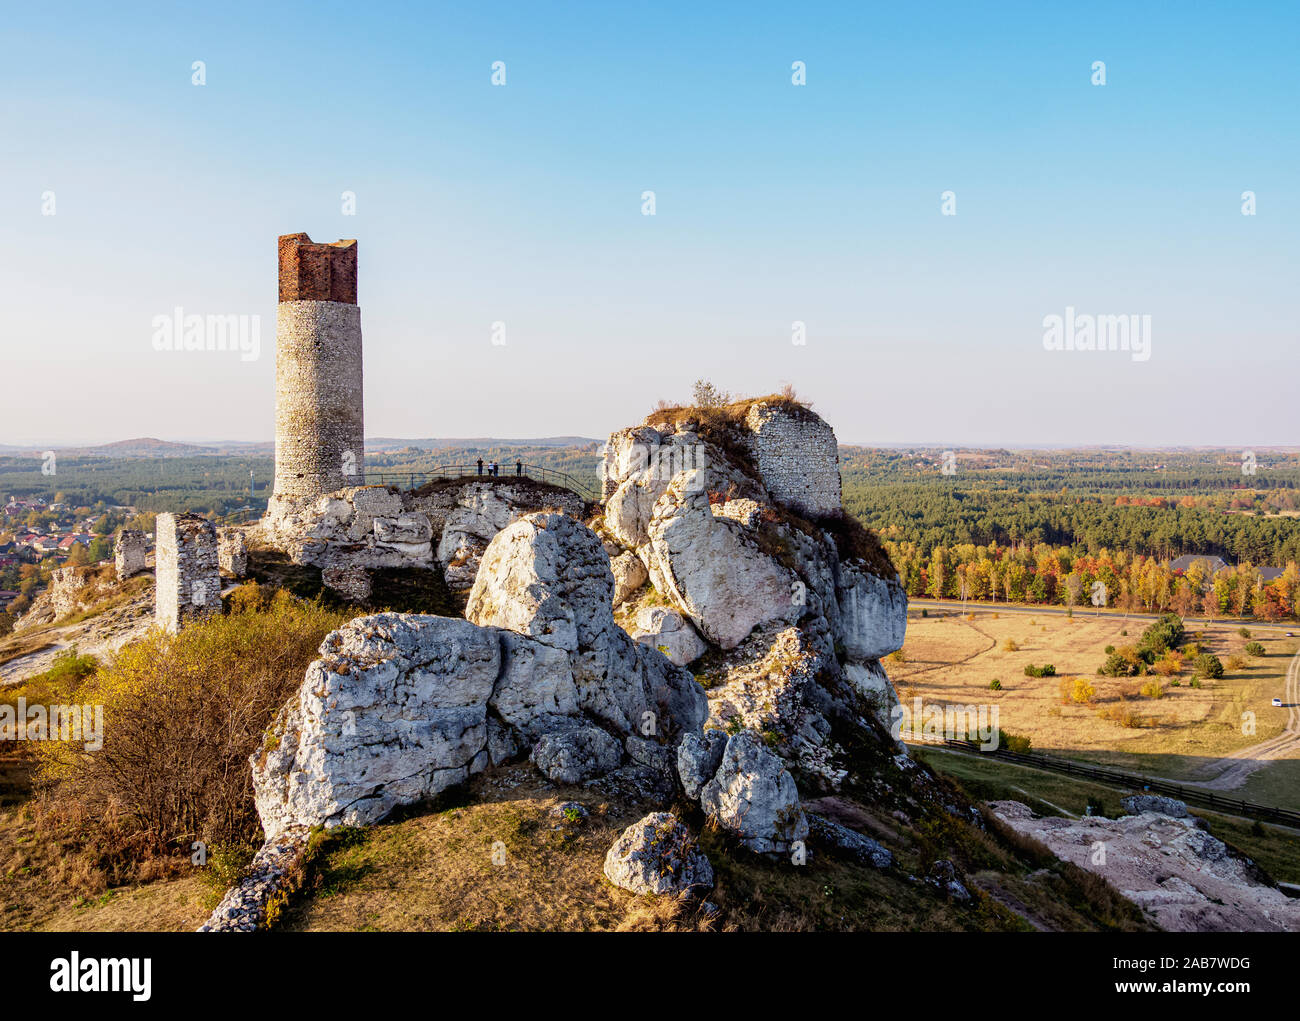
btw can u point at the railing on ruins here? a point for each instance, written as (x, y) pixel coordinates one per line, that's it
(507, 471)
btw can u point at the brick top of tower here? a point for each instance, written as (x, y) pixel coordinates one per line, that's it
(312, 272)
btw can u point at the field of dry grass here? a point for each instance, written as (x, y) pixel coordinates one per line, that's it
(953, 658)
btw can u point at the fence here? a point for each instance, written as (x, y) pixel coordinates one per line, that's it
(1143, 784)
(536, 472)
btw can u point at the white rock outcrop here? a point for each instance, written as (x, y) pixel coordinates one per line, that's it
(754, 796)
(401, 706)
(658, 855)
(666, 630)
(710, 568)
(1185, 878)
(548, 577)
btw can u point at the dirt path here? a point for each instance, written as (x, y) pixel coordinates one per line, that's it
(1237, 767)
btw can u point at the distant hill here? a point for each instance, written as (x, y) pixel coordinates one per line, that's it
(143, 447)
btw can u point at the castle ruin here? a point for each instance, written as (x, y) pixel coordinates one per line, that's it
(187, 582)
(797, 455)
(232, 552)
(319, 420)
(129, 553)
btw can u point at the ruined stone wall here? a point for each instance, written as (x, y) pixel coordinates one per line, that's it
(319, 417)
(129, 553)
(232, 552)
(797, 456)
(187, 579)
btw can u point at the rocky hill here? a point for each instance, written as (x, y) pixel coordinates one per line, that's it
(697, 660)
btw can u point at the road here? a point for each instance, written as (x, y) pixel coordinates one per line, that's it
(1085, 613)
(1238, 766)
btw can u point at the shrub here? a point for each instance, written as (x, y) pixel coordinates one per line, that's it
(1122, 715)
(1125, 662)
(1077, 690)
(1047, 670)
(1018, 743)
(1208, 665)
(1235, 662)
(1254, 649)
(182, 714)
(1153, 689)
(1244, 632)
(1170, 665)
(1109, 649)
(1195, 682)
(1010, 646)
(995, 685)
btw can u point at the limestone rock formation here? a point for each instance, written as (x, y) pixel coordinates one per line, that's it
(574, 755)
(707, 565)
(658, 855)
(402, 706)
(666, 630)
(446, 524)
(359, 526)
(698, 759)
(754, 796)
(393, 712)
(629, 575)
(479, 511)
(851, 843)
(548, 577)
(1186, 879)
(1137, 804)
(735, 513)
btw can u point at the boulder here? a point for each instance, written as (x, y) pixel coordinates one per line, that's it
(872, 612)
(468, 528)
(698, 758)
(629, 576)
(393, 712)
(666, 630)
(712, 569)
(1136, 804)
(578, 754)
(850, 843)
(658, 855)
(547, 577)
(536, 685)
(754, 797)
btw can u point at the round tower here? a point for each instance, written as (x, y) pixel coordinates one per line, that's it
(319, 422)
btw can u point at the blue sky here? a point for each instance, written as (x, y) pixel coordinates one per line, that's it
(774, 204)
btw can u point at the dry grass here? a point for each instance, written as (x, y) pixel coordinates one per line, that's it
(51, 883)
(951, 660)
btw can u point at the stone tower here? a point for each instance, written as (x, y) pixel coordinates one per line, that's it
(319, 424)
